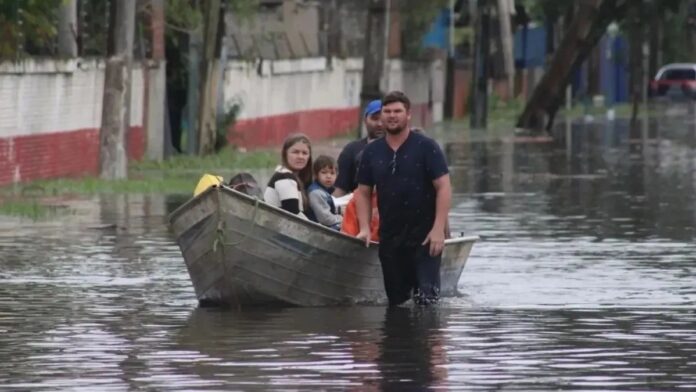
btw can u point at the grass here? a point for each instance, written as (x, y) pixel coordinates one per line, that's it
(177, 175)
(225, 159)
(29, 209)
(92, 185)
(174, 175)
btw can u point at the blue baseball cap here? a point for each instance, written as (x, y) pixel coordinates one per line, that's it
(373, 107)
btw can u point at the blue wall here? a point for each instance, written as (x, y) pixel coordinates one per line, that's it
(530, 52)
(530, 47)
(438, 36)
(614, 69)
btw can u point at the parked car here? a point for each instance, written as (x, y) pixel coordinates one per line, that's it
(677, 79)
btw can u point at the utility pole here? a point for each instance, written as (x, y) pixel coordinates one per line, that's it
(155, 77)
(113, 161)
(505, 9)
(67, 29)
(157, 23)
(374, 56)
(479, 101)
(207, 118)
(330, 28)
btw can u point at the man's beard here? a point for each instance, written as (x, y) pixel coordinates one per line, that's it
(375, 133)
(395, 131)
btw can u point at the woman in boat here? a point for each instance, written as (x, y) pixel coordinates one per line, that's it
(286, 188)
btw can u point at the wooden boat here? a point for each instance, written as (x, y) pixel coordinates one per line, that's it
(240, 251)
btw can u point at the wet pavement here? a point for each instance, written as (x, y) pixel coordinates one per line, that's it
(583, 279)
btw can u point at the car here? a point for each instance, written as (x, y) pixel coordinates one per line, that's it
(678, 79)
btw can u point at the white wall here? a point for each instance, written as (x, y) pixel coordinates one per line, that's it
(45, 96)
(268, 88)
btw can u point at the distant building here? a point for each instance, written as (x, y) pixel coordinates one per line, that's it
(280, 29)
(299, 28)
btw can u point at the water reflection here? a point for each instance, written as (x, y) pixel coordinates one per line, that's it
(615, 190)
(363, 348)
(412, 350)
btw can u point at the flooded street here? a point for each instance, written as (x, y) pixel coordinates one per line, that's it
(583, 279)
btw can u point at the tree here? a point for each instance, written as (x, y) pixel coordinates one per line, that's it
(585, 29)
(374, 55)
(27, 27)
(208, 87)
(67, 28)
(587, 25)
(185, 22)
(113, 160)
(416, 18)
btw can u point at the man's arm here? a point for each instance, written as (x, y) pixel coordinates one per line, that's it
(443, 200)
(363, 195)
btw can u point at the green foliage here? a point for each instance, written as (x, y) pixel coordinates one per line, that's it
(94, 21)
(542, 10)
(676, 43)
(30, 209)
(417, 17)
(187, 15)
(226, 159)
(243, 9)
(27, 27)
(184, 15)
(225, 122)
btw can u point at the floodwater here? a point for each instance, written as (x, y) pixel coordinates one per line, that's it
(583, 279)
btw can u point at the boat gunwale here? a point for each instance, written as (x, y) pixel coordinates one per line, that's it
(253, 200)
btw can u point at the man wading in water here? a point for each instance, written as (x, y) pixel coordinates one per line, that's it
(412, 180)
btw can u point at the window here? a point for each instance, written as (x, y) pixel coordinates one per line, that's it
(679, 74)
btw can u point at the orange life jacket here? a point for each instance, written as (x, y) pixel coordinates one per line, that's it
(351, 225)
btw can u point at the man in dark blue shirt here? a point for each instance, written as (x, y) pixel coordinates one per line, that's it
(349, 157)
(414, 195)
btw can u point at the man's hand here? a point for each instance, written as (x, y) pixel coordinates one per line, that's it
(364, 235)
(436, 239)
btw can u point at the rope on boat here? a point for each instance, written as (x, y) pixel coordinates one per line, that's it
(220, 235)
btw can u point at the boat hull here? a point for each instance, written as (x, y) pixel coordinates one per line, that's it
(240, 251)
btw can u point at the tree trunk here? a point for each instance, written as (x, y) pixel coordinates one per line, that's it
(374, 56)
(157, 24)
(479, 98)
(207, 127)
(593, 73)
(585, 30)
(635, 35)
(113, 160)
(654, 40)
(331, 28)
(504, 14)
(155, 78)
(67, 29)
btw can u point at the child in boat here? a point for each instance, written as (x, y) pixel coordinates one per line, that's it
(322, 206)
(350, 224)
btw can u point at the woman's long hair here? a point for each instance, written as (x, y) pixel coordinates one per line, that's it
(305, 175)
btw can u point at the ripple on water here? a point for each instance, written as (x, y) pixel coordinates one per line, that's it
(582, 280)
